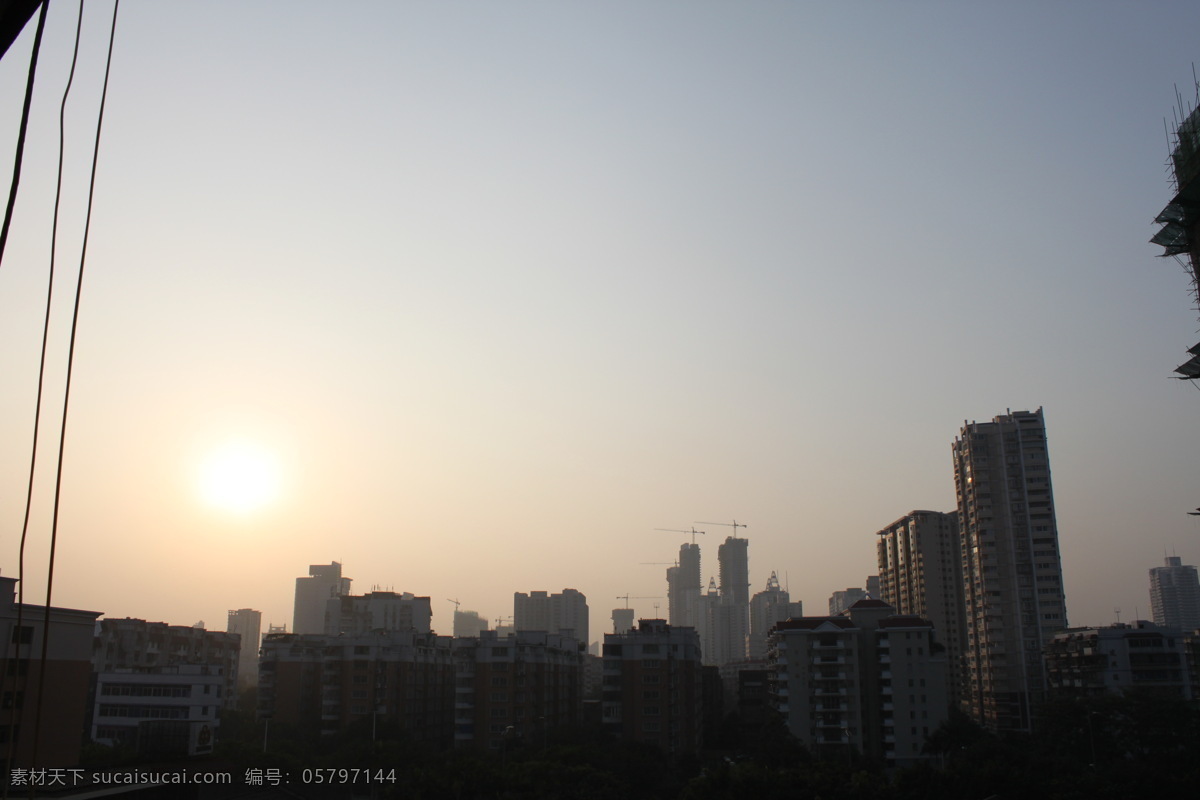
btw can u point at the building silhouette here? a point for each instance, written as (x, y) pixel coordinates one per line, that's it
(653, 684)
(729, 615)
(319, 683)
(564, 612)
(519, 688)
(1138, 657)
(771, 605)
(135, 645)
(622, 619)
(843, 599)
(67, 672)
(377, 611)
(684, 588)
(866, 680)
(920, 573)
(247, 623)
(1175, 595)
(312, 593)
(468, 623)
(734, 563)
(1012, 570)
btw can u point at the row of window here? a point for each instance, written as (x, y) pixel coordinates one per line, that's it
(142, 690)
(148, 712)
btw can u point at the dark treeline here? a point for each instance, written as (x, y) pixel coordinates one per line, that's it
(1104, 747)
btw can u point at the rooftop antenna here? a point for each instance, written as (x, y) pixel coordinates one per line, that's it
(693, 532)
(1117, 611)
(735, 525)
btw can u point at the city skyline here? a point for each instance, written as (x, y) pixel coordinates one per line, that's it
(502, 291)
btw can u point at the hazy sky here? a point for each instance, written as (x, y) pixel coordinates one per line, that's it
(504, 287)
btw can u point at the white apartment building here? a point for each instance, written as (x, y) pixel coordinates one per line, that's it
(867, 681)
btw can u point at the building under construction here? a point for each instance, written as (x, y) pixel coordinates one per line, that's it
(1180, 234)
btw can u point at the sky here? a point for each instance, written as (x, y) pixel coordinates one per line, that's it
(502, 288)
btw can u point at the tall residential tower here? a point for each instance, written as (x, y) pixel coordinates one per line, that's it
(1011, 566)
(920, 573)
(1175, 595)
(312, 593)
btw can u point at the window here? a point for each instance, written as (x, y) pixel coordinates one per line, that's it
(22, 634)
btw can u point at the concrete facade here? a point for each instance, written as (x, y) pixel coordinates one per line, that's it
(518, 688)
(66, 672)
(1175, 595)
(1126, 657)
(866, 681)
(653, 684)
(1011, 565)
(920, 571)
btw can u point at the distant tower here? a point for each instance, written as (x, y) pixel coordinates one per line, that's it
(842, 599)
(709, 600)
(468, 623)
(733, 560)
(1175, 595)
(1012, 570)
(684, 587)
(566, 611)
(768, 607)
(312, 593)
(731, 616)
(622, 620)
(247, 623)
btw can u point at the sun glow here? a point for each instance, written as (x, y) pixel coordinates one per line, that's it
(239, 477)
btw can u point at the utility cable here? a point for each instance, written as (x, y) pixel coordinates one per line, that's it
(17, 711)
(17, 697)
(16, 176)
(62, 435)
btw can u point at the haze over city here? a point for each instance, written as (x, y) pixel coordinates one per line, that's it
(490, 292)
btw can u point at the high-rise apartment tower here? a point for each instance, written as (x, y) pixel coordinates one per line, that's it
(1011, 565)
(684, 588)
(1175, 595)
(247, 623)
(920, 573)
(312, 593)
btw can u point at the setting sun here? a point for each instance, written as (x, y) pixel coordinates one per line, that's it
(239, 477)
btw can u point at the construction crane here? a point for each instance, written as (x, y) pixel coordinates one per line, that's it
(693, 532)
(735, 525)
(628, 597)
(660, 563)
(456, 604)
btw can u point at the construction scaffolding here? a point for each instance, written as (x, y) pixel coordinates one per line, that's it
(1180, 233)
